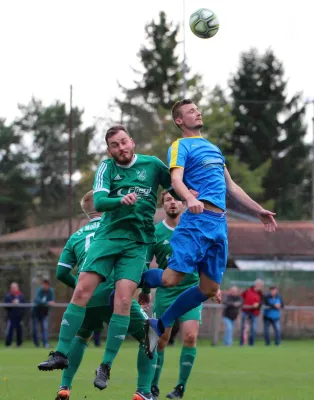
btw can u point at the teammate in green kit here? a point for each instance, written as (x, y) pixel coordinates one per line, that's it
(189, 322)
(98, 309)
(125, 187)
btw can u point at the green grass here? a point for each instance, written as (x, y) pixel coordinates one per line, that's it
(258, 373)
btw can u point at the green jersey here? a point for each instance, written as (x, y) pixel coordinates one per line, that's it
(162, 250)
(143, 177)
(76, 247)
(74, 253)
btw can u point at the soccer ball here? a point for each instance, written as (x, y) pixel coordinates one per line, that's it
(204, 23)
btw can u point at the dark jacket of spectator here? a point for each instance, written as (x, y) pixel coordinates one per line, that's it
(15, 298)
(41, 300)
(272, 312)
(252, 301)
(233, 305)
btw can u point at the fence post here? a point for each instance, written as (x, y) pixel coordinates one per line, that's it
(215, 326)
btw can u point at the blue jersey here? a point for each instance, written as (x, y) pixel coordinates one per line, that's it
(203, 165)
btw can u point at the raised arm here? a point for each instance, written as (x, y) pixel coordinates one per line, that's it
(239, 195)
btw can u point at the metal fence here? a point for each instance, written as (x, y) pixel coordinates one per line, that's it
(296, 322)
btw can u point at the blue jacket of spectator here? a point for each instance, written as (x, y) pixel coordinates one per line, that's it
(41, 300)
(15, 312)
(270, 311)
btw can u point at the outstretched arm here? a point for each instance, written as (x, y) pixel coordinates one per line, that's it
(239, 195)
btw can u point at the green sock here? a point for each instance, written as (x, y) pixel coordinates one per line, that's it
(75, 356)
(71, 322)
(187, 358)
(159, 365)
(117, 330)
(145, 369)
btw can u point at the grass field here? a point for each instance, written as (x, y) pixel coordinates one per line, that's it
(258, 373)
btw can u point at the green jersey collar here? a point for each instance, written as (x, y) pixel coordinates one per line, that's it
(167, 226)
(129, 165)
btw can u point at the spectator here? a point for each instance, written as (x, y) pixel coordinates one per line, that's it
(273, 305)
(252, 302)
(14, 315)
(232, 303)
(43, 300)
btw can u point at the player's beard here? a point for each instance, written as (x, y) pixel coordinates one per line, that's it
(173, 214)
(195, 127)
(198, 126)
(124, 159)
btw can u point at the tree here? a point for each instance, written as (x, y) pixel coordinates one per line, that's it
(48, 127)
(269, 127)
(218, 128)
(15, 182)
(145, 108)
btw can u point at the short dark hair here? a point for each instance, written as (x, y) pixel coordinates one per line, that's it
(176, 109)
(47, 281)
(163, 194)
(115, 129)
(273, 288)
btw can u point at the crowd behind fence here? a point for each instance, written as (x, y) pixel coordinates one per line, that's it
(297, 322)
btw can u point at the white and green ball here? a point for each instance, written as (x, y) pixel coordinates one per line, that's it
(204, 23)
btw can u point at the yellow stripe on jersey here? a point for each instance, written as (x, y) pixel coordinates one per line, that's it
(174, 154)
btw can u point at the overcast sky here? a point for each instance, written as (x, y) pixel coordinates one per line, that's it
(48, 45)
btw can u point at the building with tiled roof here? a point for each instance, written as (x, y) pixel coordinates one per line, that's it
(249, 245)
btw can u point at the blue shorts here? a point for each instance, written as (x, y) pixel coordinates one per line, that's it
(200, 242)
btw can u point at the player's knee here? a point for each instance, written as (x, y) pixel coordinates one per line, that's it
(81, 294)
(85, 288)
(209, 291)
(168, 282)
(122, 303)
(189, 339)
(172, 278)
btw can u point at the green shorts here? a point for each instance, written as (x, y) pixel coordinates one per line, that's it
(96, 317)
(164, 299)
(126, 257)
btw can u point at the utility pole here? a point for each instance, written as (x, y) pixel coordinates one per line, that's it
(70, 167)
(184, 88)
(312, 102)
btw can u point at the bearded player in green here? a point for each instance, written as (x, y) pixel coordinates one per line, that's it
(189, 322)
(125, 187)
(98, 310)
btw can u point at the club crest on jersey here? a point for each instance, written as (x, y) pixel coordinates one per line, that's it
(141, 175)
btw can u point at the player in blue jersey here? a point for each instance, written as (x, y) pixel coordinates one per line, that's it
(200, 241)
